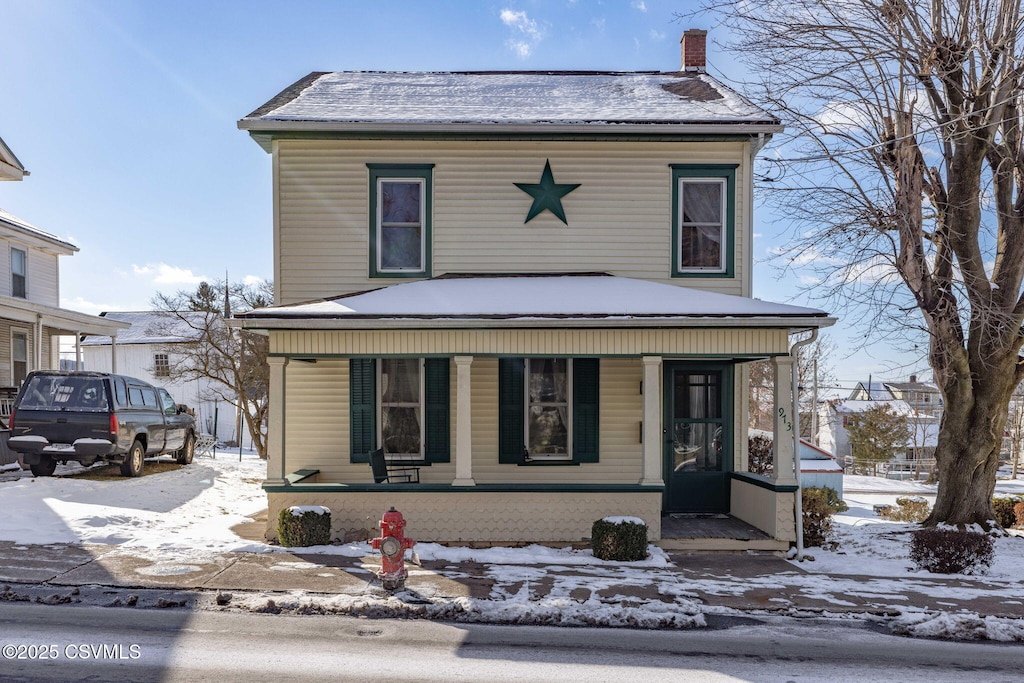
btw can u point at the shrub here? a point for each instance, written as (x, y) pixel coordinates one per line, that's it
(817, 517)
(1018, 512)
(907, 509)
(944, 550)
(760, 455)
(619, 538)
(1003, 506)
(300, 526)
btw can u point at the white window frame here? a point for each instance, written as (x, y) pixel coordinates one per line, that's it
(526, 412)
(422, 224)
(24, 275)
(402, 457)
(722, 224)
(28, 352)
(166, 366)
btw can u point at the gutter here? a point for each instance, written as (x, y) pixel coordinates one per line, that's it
(799, 504)
(611, 128)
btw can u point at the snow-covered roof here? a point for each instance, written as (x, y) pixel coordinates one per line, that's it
(898, 406)
(876, 390)
(151, 327)
(808, 465)
(517, 98)
(9, 220)
(553, 297)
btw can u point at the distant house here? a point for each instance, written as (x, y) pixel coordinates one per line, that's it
(145, 350)
(534, 286)
(922, 397)
(31, 320)
(834, 418)
(818, 468)
(871, 391)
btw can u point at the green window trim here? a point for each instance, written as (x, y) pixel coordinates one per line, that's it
(419, 173)
(364, 410)
(512, 400)
(708, 172)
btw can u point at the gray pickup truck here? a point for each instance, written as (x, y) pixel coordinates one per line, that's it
(89, 416)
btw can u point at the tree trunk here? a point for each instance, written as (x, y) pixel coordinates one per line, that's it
(970, 440)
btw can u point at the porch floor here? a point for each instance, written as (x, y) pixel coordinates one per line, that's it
(714, 532)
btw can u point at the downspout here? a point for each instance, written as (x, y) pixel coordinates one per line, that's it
(799, 505)
(755, 148)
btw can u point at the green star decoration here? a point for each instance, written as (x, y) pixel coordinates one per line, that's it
(547, 194)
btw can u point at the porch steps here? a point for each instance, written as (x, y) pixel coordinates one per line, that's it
(714, 532)
(729, 545)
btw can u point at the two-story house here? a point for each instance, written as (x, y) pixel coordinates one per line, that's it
(150, 349)
(533, 286)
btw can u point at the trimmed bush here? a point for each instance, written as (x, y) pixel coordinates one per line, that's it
(1003, 506)
(907, 509)
(1018, 512)
(304, 525)
(623, 539)
(944, 550)
(759, 454)
(817, 518)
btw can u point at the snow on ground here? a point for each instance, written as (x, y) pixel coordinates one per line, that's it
(188, 514)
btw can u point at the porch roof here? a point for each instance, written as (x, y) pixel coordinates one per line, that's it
(574, 300)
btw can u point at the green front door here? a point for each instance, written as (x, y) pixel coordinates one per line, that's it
(698, 436)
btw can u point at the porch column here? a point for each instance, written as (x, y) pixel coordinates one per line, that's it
(276, 472)
(463, 423)
(785, 422)
(78, 350)
(652, 433)
(113, 353)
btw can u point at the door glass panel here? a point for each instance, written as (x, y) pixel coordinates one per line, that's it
(697, 429)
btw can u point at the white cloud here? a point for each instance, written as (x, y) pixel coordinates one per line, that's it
(84, 306)
(639, 4)
(252, 280)
(163, 274)
(526, 32)
(657, 36)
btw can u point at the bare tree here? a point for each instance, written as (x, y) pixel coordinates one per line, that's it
(235, 360)
(904, 178)
(815, 357)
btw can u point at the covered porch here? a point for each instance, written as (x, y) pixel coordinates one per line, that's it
(637, 359)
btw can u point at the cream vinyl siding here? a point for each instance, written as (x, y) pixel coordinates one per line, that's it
(317, 427)
(512, 342)
(41, 282)
(619, 219)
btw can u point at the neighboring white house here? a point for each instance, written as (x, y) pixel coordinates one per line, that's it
(834, 418)
(142, 351)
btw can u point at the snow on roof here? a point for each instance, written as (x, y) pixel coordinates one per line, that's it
(150, 327)
(876, 390)
(533, 297)
(13, 221)
(518, 97)
(898, 406)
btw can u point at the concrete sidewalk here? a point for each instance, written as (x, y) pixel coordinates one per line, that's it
(719, 582)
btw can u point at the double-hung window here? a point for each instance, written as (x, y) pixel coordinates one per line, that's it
(19, 273)
(703, 232)
(161, 365)
(400, 219)
(19, 357)
(401, 405)
(548, 411)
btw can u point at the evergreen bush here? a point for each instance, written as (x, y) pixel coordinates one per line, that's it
(907, 509)
(1004, 510)
(944, 550)
(623, 539)
(300, 526)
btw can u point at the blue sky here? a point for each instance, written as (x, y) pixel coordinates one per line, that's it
(124, 112)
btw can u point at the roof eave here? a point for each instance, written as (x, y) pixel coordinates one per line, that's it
(795, 323)
(257, 126)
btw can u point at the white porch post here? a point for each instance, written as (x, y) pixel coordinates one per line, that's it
(463, 423)
(113, 353)
(78, 350)
(785, 421)
(276, 472)
(652, 422)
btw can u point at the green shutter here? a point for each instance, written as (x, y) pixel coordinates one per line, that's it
(510, 410)
(438, 438)
(585, 423)
(362, 408)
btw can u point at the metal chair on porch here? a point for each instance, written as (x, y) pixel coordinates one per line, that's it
(383, 473)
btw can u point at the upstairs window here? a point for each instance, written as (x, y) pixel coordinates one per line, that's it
(161, 365)
(400, 218)
(703, 233)
(19, 273)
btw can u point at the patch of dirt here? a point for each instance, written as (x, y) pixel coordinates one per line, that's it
(112, 472)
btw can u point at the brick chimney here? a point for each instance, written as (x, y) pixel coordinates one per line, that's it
(693, 48)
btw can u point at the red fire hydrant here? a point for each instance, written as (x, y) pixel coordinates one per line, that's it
(392, 545)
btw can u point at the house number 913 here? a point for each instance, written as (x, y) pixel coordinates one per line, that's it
(785, 419)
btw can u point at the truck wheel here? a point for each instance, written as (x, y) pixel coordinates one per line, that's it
(187, 451)
(45, 467)
(132, 465)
